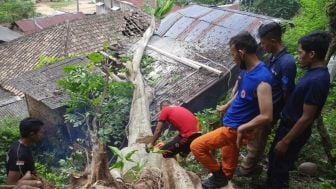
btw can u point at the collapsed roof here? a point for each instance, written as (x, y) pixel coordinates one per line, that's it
(200, 34)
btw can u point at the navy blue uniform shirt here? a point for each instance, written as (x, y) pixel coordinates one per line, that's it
(283, 70)
(312, 89)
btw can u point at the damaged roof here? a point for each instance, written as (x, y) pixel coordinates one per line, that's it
(179, 36)
(209, 25)
(200, 34)
(76, 37)
(33, 25)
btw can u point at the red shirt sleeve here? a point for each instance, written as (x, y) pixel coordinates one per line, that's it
(163, 115)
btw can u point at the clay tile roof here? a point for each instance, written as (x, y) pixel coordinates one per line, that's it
(76, 37)
(41, 84)
(29, 26)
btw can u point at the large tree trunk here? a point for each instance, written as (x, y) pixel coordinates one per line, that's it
(167, 171)
(325, 138)
(159, 173)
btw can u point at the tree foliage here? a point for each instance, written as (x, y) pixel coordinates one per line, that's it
(12, 10)
(213, 2)
(9, 132)
(311, 17)
(162, 7)
(85, 85)
(276, 8)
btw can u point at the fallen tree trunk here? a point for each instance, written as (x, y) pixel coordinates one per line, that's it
(139, 132)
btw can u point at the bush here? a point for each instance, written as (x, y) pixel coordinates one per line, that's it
(12, 10)
(310, 18)
(276, 8)
(9, 132)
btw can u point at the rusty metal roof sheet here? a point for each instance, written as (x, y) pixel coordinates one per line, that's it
(201, 34)
(33, 25)
(209, 25)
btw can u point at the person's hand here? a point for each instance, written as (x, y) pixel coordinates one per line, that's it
(239, 137)
(281, 148)
(27, 182)
(222, 108)
(150, 145)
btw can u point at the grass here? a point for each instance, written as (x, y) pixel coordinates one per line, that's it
(60, 4)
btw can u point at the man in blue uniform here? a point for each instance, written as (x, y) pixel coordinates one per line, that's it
(302, 107)
(283, 68)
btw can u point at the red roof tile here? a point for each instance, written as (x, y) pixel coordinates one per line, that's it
(29, 26)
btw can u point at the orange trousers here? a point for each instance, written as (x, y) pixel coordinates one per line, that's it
(224, 138)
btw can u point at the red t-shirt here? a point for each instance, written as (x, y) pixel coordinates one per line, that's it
(181, 118)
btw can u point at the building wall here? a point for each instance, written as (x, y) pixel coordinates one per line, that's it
(51, 118)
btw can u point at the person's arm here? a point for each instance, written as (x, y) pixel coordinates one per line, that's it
(308, 115)
(264, 94)
(157, 133)
(27, 182)
(288, 71)
(226, 106)
(13, 177)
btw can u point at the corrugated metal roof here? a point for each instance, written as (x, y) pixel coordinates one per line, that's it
(201, 34)
(209, 25)
(29, 26)
(7, 34)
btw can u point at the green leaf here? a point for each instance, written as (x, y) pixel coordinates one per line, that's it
(116, 152)
(96, 57)
(118, 165)
(129, 155)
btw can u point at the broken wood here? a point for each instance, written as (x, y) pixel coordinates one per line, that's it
(169, 55)
(186, 61)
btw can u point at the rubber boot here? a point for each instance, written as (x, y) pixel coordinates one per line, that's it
(216, 180)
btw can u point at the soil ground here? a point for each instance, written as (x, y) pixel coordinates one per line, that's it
(51, 8)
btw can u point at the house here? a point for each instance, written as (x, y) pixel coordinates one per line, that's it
(43, 98)
(33, 25)
(76, 37)
(192, 65)
(7, 35)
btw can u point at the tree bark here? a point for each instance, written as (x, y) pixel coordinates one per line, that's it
(325, 138)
